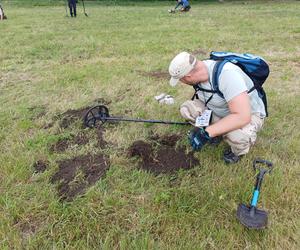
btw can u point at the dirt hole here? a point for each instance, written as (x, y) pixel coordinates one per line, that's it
(162, 158)
(75, 175)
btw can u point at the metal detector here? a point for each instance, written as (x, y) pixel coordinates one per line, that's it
(99, 114)
(84, 8)
(66, 8)
(250, 216)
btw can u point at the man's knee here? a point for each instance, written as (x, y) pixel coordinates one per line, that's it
(190, 110)
(239, 142)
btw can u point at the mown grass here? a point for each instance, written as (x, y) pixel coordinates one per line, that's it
(56, 63)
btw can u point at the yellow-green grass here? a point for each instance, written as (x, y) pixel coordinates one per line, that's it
(57, 63)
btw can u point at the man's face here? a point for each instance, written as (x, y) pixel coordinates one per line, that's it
(191, 78)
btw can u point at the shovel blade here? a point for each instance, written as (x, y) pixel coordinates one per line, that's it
(257, 220)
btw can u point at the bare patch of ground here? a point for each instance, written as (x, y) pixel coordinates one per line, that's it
(161, 75)
(164, 157)
(75, 175)
(199, 51)
(72, 115)
(27, 225)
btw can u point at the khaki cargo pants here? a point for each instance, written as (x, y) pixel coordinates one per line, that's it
(239, 140)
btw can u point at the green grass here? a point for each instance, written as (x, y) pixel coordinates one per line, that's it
(48, 60)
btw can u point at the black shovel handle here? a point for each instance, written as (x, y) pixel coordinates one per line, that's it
(258, 162)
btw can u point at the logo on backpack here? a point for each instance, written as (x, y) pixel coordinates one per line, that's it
(254, 66)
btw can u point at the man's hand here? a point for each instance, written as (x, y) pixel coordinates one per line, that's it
(198, 137)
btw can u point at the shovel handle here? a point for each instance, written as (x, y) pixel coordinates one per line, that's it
(259, 179)
(258, 162)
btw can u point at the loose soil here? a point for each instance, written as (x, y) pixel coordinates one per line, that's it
(75, 175)
(63, 144)
(163, 158)
(40, 166)
(70, 116)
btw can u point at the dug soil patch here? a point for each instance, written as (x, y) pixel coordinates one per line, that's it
(75, 175)
(71, 115)
(162, 158)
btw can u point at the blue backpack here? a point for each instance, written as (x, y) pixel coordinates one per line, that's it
(254, 66)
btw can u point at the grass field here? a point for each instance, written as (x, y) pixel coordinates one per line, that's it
(51, 64)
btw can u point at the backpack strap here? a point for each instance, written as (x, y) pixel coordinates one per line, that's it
(215, 76)
(198, 88)
(215, 82)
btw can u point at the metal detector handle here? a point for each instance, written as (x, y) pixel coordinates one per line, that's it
(259, 178)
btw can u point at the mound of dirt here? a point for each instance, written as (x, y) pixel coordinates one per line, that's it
(40, 166)
(63, 144)
(164, 158)
(76, 175)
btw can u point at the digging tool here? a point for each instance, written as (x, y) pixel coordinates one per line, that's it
(84, 8)
(100, 114)
(250, 216)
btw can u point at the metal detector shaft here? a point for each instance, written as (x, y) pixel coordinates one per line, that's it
(100, 114)
(84, 8)
(139, 120)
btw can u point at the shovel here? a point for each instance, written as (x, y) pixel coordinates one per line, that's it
(250, 216)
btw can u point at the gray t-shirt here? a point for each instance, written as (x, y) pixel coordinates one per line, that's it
(232, 82)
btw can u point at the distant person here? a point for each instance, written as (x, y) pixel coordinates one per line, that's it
(72, 6)
(2, 15)
(185, 5)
